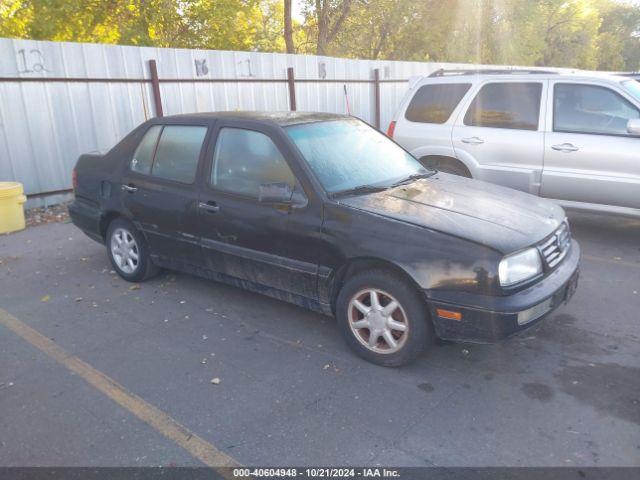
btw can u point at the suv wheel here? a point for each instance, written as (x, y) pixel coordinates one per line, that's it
(128, 251)
(383, 319)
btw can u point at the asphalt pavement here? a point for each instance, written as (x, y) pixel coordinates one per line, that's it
(288, 390)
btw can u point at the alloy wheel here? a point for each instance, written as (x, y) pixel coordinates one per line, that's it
(125, 251)
(378, 321)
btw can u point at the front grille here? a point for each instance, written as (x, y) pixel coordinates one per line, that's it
(555, 248)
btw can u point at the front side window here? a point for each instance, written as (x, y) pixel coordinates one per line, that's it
(580, 108)
(506, 105)
(143, 156)
(346, 154)
(178, 152)
(244, 160)
(435, 103)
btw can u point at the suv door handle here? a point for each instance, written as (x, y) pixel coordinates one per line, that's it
(210, 207)
(129, 188)
(565, 147)
(472, 140)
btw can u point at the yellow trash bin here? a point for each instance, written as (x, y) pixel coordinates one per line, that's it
(11, 207)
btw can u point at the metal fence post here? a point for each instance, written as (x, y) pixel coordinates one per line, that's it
(292, 89)
(155, 85)
(376, 96)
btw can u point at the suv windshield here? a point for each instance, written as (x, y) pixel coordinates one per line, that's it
(348, 154)
(633, 87)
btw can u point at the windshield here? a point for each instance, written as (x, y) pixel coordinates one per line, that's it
(346, 154)
(633, 87)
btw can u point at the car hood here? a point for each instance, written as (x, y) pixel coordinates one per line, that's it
(501, 218)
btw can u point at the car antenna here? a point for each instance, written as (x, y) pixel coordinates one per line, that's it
(346, 99)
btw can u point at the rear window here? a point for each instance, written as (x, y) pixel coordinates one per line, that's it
(178, 152)
(435, 103)
(506, 105)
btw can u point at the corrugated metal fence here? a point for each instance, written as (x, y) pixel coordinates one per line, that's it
(58, 100)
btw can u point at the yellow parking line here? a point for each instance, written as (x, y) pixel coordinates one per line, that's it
(160, 421)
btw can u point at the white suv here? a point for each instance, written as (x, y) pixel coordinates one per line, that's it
(572, 137)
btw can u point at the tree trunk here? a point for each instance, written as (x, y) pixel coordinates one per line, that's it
(323, 27)
(288, 27)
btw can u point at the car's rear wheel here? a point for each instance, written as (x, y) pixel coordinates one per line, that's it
(128, 251)
(383, 318)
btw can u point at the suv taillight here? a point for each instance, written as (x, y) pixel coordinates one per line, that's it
(391, 129)
(74, 179)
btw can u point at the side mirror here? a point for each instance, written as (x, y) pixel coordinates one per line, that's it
(280, 192)
(633, 126)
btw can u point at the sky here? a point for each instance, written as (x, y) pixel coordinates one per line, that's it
(296, 10)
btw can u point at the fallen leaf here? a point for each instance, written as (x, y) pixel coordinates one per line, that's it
(46, 298)
(134, 287)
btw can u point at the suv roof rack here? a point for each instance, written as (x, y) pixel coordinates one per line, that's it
(480, 71)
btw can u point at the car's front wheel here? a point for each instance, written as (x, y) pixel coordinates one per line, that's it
(383, 318)
(128, 251)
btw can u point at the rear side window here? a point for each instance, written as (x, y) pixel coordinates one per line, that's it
(143, 156)
(435, 103)
(244, 159)
(591, 109)
(178, 152)
(506, 105)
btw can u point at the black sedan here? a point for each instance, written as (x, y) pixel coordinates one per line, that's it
(326, 212)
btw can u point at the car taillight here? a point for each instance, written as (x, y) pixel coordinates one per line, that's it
(391, 129)
(74, 179)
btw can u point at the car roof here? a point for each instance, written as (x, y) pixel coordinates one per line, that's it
(278, 118)
(524, 75)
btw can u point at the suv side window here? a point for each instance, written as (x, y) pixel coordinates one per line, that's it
(245, 159)
(178, 152)
(506, 105)
(435, 103)
(579, 108)
(143, 156)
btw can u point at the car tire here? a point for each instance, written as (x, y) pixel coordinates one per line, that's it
(128, 251)
(412, 312)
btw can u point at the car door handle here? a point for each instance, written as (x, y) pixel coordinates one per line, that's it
(472, 140)
(210, 207)
(565, 147)
(129, 188)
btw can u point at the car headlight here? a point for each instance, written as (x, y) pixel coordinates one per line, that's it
(519, 267)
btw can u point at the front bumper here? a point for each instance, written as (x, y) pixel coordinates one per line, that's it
(487, 319)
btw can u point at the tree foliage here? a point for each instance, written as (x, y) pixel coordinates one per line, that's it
(594, 34)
